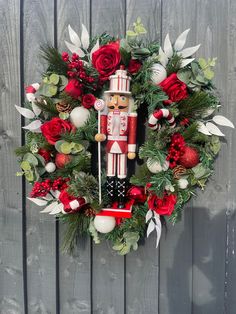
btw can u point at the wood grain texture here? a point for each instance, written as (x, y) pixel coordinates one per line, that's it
(75, 272)
(11, 277)
(176, 247)
(38, 30)
(209, 209)
(142, 267)
(230, 150)
(108, 267)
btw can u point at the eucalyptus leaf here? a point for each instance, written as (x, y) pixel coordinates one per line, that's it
(29, 175)
(58, 145)
(52, 90)
(25, 165)
(54, 79)
(31, 159)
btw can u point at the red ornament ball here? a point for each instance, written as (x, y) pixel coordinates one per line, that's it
(190, 157)
(62, 160)
(137, 193)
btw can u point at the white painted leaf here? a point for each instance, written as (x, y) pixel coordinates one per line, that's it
(163, 57)
(36, 109)
(75, 49)
(27, 113)
(49, 208)
(186, 62)
(149, 215)
(208, 112)
(74, 37)
(221, 120)
(95, 48)
(48, 197)
(181, 40)
(188, 51)
(151, 227)
(30, 97)
(57, 209)
(85, 37)
(158, 231)
(35, 125)
(213, 129)
(55, 193)
(37, 201)
(202, 128)
(168, 47)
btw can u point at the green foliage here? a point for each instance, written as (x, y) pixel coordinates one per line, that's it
(76, 224)
(174, 64)
(195, 105)
(54, 60)
(47, 105)
(159, 182)
(138, 29)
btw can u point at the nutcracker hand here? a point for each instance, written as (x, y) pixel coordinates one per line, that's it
(100, 137)
(131, 155)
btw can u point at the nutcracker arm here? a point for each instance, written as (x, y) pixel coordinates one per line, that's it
(132, 125)
(101, 136)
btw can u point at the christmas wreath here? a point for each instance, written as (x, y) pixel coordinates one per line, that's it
(100, 93)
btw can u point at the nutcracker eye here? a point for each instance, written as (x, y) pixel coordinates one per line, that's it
(111, 107)
(123, 98)
(110, 98)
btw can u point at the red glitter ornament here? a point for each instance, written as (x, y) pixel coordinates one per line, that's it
(137, 193)
(190, 157)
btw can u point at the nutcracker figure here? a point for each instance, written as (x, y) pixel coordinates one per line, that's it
(118, 126)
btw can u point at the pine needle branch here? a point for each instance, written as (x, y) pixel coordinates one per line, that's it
(54, 60)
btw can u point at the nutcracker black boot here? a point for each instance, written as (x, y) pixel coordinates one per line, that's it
(111, 181)
(121, 185)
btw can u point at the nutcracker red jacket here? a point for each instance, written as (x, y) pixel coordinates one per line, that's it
(120, 130)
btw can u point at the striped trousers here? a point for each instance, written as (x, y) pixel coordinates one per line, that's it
(117, 165)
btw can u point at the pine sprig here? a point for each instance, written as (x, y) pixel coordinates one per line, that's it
(47, 105)
(195, 105)
(76, 224)
(54, 60)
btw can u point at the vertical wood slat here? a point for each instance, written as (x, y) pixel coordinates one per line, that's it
(229, 197)
(142, 267)
(41, 263)
(75, 272)
(209, 209)
(108, 267)
(11, 275)
(176, 246)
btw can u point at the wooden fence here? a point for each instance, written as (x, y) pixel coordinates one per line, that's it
(194, 269)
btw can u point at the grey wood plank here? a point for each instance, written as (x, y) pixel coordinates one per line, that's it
(38, 29)
(11, 277)
(108, 268)
(209, 209)
(230, 271)
(75, 272)
(176, 246)
(142, 267)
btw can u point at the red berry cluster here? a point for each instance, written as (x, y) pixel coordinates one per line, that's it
(176, 149)
(60, 184)
(76, 69)
(41, 189)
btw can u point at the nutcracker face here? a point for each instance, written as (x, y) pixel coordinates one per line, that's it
(118, 103)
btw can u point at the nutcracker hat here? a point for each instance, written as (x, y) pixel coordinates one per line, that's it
(119, 82)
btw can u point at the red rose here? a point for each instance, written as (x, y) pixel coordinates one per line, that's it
(174, 88)
(53, 129)
(134, 66)
(162, 206)
(45, 154)
(106, 59)
(88, 101)
(73, 88)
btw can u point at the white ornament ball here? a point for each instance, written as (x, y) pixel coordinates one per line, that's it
(183, 183)
(155, 166)
(79, 116)
(104, 224)
(158, 73)
(50, 167)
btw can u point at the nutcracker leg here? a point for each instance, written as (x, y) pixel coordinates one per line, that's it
(111, 179)
(121, 182)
